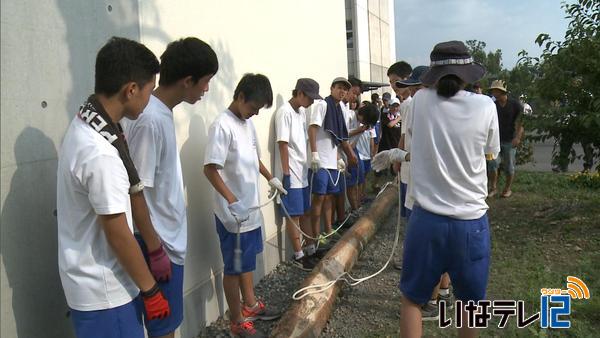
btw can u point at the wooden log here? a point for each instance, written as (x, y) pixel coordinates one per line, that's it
(307, 317)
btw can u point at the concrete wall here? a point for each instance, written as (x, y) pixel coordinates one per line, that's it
(373, 39)
(48, 53)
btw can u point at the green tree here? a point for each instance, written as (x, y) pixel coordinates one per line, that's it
(492, 61)
(567, 85)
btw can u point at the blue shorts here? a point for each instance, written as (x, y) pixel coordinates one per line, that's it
(251, 244)
(123, 321)
(355, 175)
(507, 157)
(173, 292)
(297, 201)
(367, 166)
(436, 244)
(323, 183)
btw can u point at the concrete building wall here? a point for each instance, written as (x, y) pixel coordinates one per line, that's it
(373, 39)
(48, 54)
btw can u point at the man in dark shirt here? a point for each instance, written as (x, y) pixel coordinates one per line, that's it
(511, 131)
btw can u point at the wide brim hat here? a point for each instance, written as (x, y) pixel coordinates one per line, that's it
(414, 78)
(452, 58)
(498, 84)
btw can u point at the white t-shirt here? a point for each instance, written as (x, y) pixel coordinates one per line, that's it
(233, 147)
(153, 147)
(290, 127)
(450, 138)
(91, 181)
(363, 144)
(405, 112)
(328, 151)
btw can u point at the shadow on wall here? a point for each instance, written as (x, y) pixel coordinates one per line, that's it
(204, 256)
(29, 241)
(89, 25)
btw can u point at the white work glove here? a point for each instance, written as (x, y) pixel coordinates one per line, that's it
(239, 211)
(276, 184)
(341, 165)
(384, 159)
(314, 162)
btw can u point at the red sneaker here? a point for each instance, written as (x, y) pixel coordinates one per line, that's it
(245, 329)
(259, 312)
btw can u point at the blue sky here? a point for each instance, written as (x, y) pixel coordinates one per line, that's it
(509, 25)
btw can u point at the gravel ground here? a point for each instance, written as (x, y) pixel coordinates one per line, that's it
(371, 308)
(378, 298)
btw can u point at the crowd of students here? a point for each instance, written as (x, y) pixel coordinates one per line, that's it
(119, 170)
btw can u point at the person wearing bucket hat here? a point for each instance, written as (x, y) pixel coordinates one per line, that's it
(511, 131)
(451, 130)
(291, 158)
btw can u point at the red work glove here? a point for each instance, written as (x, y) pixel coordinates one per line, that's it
(155, 303)
(160, 264)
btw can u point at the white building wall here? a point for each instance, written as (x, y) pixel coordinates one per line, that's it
(284, 40)
(48, 54)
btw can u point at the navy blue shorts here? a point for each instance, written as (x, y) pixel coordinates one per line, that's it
(323, 183)
(173, 292)
(123, 321)
(367, 166)
(251, 244)
(355, 175)
(297, 201)
(436, 244)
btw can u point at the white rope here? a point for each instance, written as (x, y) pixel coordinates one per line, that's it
(345, 276)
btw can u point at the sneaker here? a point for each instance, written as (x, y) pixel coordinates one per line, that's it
(259, 312)
(449, 299)
(305, 263)
(320, 253)
(245, 329)
(430, 312)
(398, 263)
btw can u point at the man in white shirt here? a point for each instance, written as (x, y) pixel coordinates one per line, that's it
(232, 165)
(291, 164)
(326, 133)
(187, 65)
(101, 267)
(448, 229)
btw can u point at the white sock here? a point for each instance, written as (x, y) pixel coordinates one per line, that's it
(310, 249)
(444, 292)
(298, 254)
(433, 301)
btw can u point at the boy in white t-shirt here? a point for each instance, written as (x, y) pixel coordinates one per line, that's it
(364, 143)
(187, 65)
(354, 174)
(327, 131)
(448, 229)
(232, 165)
(291, 164)
(101, 267)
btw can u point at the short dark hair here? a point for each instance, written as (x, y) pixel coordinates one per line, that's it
(374, 97)
(121, 61)
(449, 85)
(369, 112)
(187, 57)
(256, 88)
(355, 82)
(401, 69)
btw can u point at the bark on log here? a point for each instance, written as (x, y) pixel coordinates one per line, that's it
(307, 317)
